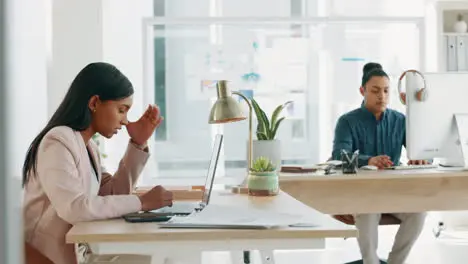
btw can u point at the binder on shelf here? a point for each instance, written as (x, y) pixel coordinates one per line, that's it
(462, 53)
(451, 43)
(456, 50)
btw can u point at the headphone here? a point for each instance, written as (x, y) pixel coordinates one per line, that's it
(421, 93)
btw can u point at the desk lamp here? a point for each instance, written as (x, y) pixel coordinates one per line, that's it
(227, 110)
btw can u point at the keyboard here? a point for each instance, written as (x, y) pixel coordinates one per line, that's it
(413, 167)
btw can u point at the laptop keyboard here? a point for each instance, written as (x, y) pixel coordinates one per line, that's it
(181, 208)
(414, 167)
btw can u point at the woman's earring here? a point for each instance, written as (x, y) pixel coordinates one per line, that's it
(94, 110)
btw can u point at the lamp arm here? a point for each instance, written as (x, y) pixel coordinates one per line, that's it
(249, 152)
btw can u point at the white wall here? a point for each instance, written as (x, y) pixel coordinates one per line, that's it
(76, 41)
(53, 40)
(122, 28)
(27, 73)
(87, 31)
(187, 8)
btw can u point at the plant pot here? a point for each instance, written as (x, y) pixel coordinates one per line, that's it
(263, 183)
(270, 149)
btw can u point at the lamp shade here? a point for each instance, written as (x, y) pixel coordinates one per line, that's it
(225, 109)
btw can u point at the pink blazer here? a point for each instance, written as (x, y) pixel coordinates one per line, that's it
(60, 194)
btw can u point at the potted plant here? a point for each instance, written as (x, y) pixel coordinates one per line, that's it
(263, 178)
(266, 144)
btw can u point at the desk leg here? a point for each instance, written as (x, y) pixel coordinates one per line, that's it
(267, 256)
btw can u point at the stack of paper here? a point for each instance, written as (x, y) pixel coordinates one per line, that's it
(216, 216)
(304, 168)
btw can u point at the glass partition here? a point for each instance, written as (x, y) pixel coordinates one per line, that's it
(317, 64)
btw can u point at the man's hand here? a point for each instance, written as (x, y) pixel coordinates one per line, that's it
(418, 162)
(381, 162)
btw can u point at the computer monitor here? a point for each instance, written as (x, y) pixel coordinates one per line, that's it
(436, 125)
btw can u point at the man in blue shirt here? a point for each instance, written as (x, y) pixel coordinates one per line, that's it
(379, 135)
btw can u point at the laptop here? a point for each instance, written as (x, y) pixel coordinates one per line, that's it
(188, 207)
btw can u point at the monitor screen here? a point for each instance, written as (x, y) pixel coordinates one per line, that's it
(431, 127)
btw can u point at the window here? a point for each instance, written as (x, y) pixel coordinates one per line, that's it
(316, 63)
(372, 8)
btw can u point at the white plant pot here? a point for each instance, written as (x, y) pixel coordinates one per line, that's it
(270, 149)
(460, 26)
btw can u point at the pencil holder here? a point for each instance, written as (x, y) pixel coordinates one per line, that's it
(349, 162)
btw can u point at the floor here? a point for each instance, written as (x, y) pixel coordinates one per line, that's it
(444, 250)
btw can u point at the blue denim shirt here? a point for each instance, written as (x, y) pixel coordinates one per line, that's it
(360, 130)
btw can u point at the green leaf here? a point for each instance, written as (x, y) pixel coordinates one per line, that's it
(263, 123)
(267, 124)
(261, 136)
(276, 127)
(263, 164)
(276, 113)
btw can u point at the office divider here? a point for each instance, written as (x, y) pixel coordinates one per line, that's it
(10, 238)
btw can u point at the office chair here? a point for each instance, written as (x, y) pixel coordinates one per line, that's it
(33, 256)
(119, 259)
(386, 219)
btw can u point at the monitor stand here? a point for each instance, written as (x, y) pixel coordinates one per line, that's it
(461, 123)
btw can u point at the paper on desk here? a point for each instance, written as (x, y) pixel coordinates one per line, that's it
(217, 216)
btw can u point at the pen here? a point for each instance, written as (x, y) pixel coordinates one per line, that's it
(343, 152)
(355, 155)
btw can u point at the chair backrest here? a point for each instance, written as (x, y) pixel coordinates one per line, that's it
(33, 256)
(388, 219)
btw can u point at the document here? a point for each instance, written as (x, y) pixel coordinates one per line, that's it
(217, 216)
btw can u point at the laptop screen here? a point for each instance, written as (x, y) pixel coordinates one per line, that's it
(212, 168)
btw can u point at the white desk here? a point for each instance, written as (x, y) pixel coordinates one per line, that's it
(117, 236)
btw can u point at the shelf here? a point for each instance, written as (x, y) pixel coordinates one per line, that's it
(454, 34)
(450, 45)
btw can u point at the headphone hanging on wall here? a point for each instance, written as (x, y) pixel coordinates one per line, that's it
(420, 95)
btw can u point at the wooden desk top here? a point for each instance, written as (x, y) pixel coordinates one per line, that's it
(118, 230)
(388, 191)
(370, 174)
